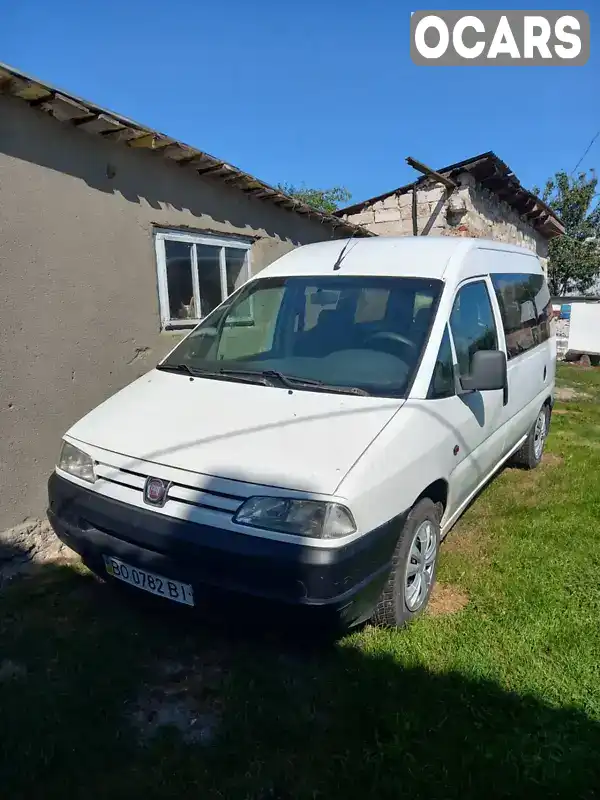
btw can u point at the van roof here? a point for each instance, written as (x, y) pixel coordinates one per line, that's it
(414, 256)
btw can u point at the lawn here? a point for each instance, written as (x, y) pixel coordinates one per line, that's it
(496, 694)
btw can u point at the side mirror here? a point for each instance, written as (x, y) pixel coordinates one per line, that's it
(488, 372)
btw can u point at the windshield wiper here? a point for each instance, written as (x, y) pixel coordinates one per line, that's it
(177, 368)
(249, 375)
(224, 374)
(266, 377)
(293, 382)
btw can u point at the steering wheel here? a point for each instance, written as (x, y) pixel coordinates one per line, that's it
(390, 336)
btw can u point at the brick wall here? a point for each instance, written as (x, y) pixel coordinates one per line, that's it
(469, 211)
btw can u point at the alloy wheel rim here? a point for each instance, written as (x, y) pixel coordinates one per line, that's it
(539, 435)
(421, 566)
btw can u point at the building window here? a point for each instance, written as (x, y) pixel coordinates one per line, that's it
(196, 272)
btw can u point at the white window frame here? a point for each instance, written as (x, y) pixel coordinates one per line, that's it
(164, 234)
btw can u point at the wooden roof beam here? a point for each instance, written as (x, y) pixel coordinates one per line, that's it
(100, 124)
(425, 170)
(210, 169)
(180, 153)
(64, 108)
(535, 213)
(150, 141)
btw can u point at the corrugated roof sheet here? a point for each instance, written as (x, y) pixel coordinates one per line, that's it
(101, 122)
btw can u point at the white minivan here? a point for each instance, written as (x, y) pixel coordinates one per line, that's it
(314, 438)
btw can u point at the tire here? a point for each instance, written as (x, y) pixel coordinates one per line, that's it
(529, 455)
(397, 606)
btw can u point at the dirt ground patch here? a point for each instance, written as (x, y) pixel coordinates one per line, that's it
(185, 697)
(446, 599)
(468, 538)
(551, 460)
(567, 393)
(29, 546)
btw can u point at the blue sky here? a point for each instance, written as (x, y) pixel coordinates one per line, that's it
(319, 92)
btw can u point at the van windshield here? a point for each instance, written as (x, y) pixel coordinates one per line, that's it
(360, 335)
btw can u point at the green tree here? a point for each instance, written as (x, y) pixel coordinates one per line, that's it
(327, 200)
(574, 259)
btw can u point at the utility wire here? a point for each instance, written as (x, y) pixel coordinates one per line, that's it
(589, 147)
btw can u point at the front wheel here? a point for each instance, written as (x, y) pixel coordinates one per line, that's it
(408, 588)
(530, 453)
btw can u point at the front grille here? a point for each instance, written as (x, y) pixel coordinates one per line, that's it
(178, 492)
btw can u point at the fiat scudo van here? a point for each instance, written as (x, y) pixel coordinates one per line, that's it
(314, 439)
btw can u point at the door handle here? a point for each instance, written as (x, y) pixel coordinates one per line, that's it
(545, 372)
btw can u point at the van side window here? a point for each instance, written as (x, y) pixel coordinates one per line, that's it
(543, 304)
(442, 380)
(525, 308)
(472, 324)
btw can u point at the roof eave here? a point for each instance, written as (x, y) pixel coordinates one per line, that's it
(497, 177)
(101, 122)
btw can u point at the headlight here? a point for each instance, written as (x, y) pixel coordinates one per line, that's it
(77, 463)
(312, 518)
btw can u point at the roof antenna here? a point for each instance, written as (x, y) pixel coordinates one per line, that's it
(340, 258)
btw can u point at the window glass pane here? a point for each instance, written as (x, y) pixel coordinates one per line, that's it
(442, 380)
(543, 305)
(317, 300)
(523, 301)
(262, 328)
(235, 260)
(179, 280)
(349, 319)
(422, 300)
(249, 328)
(421, 315)
(209, 277)
(472, 324)
(372, 305)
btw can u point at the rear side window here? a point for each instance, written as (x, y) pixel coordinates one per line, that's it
(525, 307)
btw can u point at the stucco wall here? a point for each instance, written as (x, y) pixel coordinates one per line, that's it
(79, 314)
(469, 211)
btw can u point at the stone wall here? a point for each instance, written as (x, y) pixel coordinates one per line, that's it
(469, 211)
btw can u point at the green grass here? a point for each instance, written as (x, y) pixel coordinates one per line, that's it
(501, 699)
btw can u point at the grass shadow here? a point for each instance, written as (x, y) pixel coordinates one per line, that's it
(296, 720)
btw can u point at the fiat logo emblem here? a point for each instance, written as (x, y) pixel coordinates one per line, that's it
(155, 491)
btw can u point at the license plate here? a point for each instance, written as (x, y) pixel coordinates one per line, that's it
(149, 581)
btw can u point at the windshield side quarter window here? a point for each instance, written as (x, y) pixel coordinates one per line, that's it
(442, 380)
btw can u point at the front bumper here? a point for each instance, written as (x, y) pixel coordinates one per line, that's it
(342, 583)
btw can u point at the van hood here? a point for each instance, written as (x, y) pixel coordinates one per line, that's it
(299, 440)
